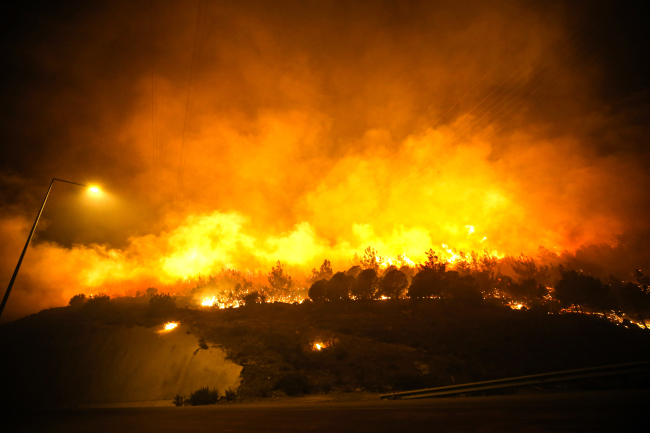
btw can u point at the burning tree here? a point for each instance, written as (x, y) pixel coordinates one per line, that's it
(253, 298)
(434, 262)
(370, 259)
(278, 279)
(325, 272)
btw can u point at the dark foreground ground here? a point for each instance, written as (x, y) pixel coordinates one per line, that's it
(610, 411)
(90, 354)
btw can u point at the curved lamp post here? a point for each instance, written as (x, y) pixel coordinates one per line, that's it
(29, 238)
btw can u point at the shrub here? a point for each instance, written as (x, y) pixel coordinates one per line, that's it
(230, 394)
(253, 298)
(294, 383)
(180, 400)
(204, 396)
(162, 304)
(100, 301)
(317, 290)
(77, 300)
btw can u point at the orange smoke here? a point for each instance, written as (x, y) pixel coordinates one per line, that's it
(263, 135)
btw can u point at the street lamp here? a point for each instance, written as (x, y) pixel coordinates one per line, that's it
(93, 189)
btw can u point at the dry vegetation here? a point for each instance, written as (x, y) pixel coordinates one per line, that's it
(374, 345)
(382, 346)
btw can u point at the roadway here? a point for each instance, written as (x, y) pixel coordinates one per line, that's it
(611, 411)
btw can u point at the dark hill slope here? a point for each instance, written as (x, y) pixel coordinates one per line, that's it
(382, 346)
(73, 355)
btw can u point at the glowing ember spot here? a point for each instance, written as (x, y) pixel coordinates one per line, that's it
(483, 240)
(209, 302)
(470, 230)
(224, 302)
(169, 326)
(318, 345)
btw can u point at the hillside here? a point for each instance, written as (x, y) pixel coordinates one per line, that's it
(113, 353)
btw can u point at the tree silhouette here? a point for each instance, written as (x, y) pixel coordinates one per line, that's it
(318, 291)
(408, 271)
(433, 262)
(579, 289)
(393, 285)
(383, 272)
(325, 272)
(278, 279)
(462, 288)
(162, 304)
(253, 298)
(526, 292)
(338, 287)
(77, 300)
(489, 264)
(642, 281)
(354, 271)
(98, 302)
(370, 259)
(426, 283)
(526, 269)
(633, 298)
(366, 284)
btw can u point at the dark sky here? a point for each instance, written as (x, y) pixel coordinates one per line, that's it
(308, 130)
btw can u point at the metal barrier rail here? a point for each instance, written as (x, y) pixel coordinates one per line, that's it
(536, 379)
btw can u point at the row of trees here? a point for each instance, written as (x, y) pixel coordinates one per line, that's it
(585, 292)
(483, 280)
(431, 280)
(473, 279)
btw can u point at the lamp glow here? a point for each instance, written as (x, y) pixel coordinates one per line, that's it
(92, 190)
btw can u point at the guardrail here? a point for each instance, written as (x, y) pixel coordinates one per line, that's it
(513, 382)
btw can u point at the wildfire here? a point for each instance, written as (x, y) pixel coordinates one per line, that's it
(221, 302)
(398, 262)
(169, 326)
(319, 345)
(209, 302)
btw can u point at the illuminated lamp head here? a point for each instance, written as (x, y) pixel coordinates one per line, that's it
(94, 190)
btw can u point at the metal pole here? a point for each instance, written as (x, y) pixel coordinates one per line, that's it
(29, 238)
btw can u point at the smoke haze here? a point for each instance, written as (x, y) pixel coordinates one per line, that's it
(235, 135)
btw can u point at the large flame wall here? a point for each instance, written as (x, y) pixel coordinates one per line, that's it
(299, 133)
